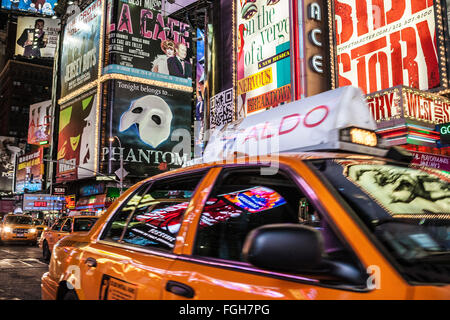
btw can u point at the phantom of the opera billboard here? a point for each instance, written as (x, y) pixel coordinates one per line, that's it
(263, 57)
(80, 49)
(386, 43)
(30, 169)
(45, 7)
(146, 44)
(76, 139)
(36, 37)
(40, 122)
(153, 125)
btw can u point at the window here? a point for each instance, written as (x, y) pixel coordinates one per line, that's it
(83, 224)
(245, 200)
(67, 226)
(57, 225)
(152, 217)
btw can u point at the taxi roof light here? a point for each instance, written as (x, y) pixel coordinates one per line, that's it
(336, 120)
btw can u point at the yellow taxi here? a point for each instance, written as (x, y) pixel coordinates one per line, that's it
(332, 215)
(40, 226)
(15, 227)
(61, 228)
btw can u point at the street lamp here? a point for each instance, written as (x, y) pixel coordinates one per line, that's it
(111, 139)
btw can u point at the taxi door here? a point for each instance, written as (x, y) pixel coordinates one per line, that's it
(51, 235)
(66, 229)
(211, 265)
(134, 251)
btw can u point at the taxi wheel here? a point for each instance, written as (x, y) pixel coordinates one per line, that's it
(45, 252)
(70, 295)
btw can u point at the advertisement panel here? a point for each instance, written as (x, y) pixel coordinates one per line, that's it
(10, 147)
(263, 57)
(149, 122)
(36, 37)
(144, 43)
(40, 122)
(200, 85)
(385, 44)
(42, 202)
(80, 49)
(437, 161)
(426, 107)
(30, 170)
(76, 139)
(34, 6)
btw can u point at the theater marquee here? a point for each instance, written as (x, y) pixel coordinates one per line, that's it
(385, 43)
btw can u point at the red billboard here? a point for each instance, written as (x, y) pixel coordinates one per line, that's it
(385, 43)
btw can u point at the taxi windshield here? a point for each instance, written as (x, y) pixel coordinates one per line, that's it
(407, 208)
(18, 220)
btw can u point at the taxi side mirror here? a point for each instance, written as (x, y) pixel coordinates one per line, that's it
(284, 247)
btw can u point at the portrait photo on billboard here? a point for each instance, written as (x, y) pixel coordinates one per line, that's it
(141, 38)
(263, 55)
(80, 49)
(40, 122)
(148, 121)
(10, 147)
(36, 37)
(390, 43)
(76, 139)
(45, 7)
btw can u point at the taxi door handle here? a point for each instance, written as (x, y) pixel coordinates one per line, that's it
(180, 289)
(91, 262)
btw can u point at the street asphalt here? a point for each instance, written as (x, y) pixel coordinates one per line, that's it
(21, 268)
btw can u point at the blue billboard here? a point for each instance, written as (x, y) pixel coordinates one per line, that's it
(45, 7)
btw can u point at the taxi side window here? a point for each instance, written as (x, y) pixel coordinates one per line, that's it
(154, 216)
(67, 226)
(57, 225)
(244, 200)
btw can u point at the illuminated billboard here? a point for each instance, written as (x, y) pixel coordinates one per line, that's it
(80, 49)
(42, 202)
(36, 37)
(40, 122)
(149, 122)
(385, 44)
(10, 147)
(263, 57)
(145, 43)
(45, 7)
(30, 170)
(407, 103)
(76, 139)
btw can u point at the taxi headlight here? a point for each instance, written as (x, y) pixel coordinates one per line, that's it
(32, 230)
(7, 229)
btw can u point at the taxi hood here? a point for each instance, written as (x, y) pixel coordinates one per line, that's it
(296, 126)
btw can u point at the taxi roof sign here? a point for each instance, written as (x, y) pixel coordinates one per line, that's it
(311, 124)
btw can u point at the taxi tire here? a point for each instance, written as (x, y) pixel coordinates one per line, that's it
(46, 254)
(70, 295)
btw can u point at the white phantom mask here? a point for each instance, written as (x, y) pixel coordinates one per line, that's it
(153, 117)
